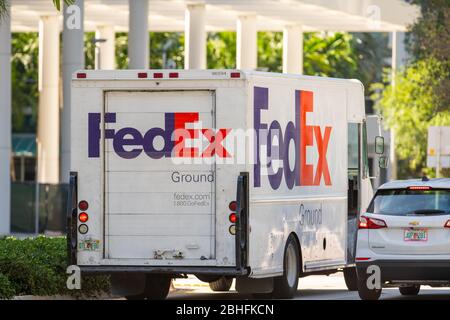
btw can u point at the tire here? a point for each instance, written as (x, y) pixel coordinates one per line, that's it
(223, 284)
(136, 297)
(262, 296)
(285, 287)
(156, 288)
(366, 293)
(410, 290)
(351, 279)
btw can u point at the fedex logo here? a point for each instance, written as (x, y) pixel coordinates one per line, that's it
(298, 133)
(129, 143)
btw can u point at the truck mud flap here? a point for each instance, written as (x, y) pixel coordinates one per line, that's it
(71, 227)
(242, 222)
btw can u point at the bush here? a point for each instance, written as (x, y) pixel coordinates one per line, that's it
(6, 289)
(37, 266)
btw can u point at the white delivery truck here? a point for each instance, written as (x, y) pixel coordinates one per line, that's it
(221, 174)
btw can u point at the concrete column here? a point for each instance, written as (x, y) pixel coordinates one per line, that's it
(399, 58)
(138, 36)
(246, 43)
(48, 115)
(5, 124)
(105, 48)
(293, 49)
(73, 60)
(195, 37)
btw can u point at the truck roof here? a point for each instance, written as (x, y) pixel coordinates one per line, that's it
(442, 183)
(210, 74)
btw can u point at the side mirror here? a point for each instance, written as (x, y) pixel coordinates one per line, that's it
(379, 145)
(383, 162)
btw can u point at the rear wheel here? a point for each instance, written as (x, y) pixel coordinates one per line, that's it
(410, 290)
(136, 297)
(284, 287)
(156, 288)
(351, 279)
(366, 293)
(223, 284)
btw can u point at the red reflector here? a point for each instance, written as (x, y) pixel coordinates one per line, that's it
(157, 75)
(81, 75)
(83, 217)
(142, 75)
(447, 224)
(371, 223)
(83, 205)
(419, 188)
(362, 259)
(233, 205)
(173, 75)
(235, 75)
(233, 217)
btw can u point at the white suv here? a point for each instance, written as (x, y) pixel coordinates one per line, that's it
(405, 234)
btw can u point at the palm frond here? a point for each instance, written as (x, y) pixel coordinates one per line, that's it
(57, 3)
(3, 8)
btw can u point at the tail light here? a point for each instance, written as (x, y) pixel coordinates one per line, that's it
(232, 206)
(447, 224)
(83, 229)
(83, 217)
(419, 188)
(83, 205)
(173, 75)
(371, 223)
(232, 217)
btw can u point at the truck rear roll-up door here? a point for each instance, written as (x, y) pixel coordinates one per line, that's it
(155, 207)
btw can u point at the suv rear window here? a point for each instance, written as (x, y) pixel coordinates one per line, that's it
(410, 202)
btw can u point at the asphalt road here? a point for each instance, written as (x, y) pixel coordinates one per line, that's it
(310, 288)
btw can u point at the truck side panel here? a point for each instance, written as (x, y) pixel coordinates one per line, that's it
(303, 188)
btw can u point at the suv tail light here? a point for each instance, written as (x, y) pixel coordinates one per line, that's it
(371, 223)
(447, 224)
(419, 188)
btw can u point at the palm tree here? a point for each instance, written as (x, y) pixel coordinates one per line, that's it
(3, 8)
(5, 3)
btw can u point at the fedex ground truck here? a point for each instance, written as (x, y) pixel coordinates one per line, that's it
(221, 174)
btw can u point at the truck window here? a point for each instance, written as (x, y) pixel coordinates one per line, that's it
(353, 146)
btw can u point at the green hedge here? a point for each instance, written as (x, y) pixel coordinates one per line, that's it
(37, 266)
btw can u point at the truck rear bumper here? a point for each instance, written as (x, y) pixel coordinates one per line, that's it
(225, 271)
(392, 270)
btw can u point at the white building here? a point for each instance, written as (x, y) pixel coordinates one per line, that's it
(138, 17)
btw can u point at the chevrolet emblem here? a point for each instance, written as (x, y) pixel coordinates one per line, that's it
(414, 223)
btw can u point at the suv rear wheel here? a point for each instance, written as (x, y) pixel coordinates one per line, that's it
(366, 293)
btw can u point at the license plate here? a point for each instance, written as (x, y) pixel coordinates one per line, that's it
(416, 235)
